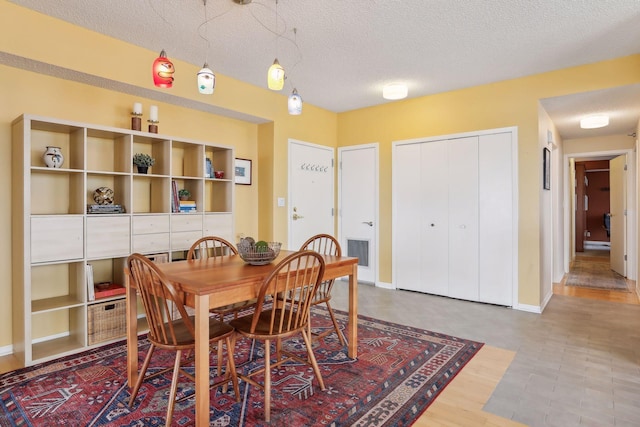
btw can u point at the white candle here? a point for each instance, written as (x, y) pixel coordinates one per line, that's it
(153, 113)
(137, 108)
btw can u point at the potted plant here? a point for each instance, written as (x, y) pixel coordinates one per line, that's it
(143, 162)
(184, 194)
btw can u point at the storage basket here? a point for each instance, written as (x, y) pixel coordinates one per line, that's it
(106, 321)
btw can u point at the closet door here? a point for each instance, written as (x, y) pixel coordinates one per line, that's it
(434, 239)
(495, 184)
(463, 218)
(408, 217)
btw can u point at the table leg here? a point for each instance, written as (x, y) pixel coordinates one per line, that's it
(132, 332)
(202, 360)
(352, 326)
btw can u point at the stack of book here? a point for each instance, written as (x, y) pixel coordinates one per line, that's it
(188, 206)
(97, 209)
(108, 289)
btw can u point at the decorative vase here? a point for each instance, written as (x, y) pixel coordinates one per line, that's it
(53, 157)
(143, 169)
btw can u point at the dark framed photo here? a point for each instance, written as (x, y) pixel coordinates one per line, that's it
(546, 168)
(242, 172)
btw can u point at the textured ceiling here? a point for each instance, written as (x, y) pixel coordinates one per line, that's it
(342, 52)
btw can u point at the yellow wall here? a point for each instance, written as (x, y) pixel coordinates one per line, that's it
(36, 37)
(598, 143)
(502, 104)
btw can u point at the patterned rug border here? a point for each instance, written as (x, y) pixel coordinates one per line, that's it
(404, 402)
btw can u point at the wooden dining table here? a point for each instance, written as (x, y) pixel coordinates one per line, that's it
(214, 282)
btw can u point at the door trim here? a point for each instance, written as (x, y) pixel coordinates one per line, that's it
(376, 213)
(631, 239)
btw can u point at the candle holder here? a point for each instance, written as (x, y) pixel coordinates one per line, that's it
(153, 126)
(136, 121)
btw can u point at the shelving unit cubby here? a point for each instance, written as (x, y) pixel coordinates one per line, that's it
(55, 238)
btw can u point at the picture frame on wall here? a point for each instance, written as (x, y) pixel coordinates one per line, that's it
(546, 169)
(242, 171)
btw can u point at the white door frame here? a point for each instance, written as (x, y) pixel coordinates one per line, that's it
(631, 239)
(376, 219)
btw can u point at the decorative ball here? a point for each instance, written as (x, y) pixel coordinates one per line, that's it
(103, 196)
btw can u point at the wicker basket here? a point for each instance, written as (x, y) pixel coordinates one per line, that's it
(259, 255)
(106, 321)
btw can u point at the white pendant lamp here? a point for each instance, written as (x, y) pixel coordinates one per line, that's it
(206, 80)
(295, 103)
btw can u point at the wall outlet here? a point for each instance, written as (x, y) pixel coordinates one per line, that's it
(280, 202)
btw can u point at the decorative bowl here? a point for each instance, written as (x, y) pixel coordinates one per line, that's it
(103, 196)
(258, 255)
(218, 174)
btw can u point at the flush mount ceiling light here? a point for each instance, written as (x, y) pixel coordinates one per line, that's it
(594, 122)
(395, 91)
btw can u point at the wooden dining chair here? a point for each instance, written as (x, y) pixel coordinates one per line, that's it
(172, 329)
(212, 247)
(299, 275)
(327, 245)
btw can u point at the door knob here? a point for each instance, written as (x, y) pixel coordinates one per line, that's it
(369, 223)
(296, 216)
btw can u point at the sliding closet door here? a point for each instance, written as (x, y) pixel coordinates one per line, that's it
(434, 239)
(408, 217)
(496, 218)
(463, 218)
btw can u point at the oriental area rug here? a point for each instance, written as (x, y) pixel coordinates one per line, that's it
(398, 373)
(595, 273)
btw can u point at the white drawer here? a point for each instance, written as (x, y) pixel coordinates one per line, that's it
(183, 240)
(186, 222)
(108, 236)
(56, 238)
(148, 224)
(219, 225)
(145, 243)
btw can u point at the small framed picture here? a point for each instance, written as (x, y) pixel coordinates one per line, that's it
(243, 171)
(546, 169)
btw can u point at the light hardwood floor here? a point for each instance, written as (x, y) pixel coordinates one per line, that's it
(463, 400)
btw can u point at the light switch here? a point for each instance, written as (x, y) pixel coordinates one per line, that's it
(280, 202)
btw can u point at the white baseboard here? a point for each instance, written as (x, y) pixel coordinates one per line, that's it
(385, 285)
(530, 308)
(6, 350)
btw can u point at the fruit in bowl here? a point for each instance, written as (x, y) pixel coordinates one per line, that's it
(258, 253)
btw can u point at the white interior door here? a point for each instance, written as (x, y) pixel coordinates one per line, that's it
(463, 218)
(431, 231)
(358, 204)
(496, 219)
(617, 185)
(407, 217)
(311, 192)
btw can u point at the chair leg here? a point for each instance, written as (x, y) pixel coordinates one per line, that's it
(312, 358)
(174, 387)
(341, 337)
(141, 375)
(267, 381)
(219, 345)
(231, 368)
